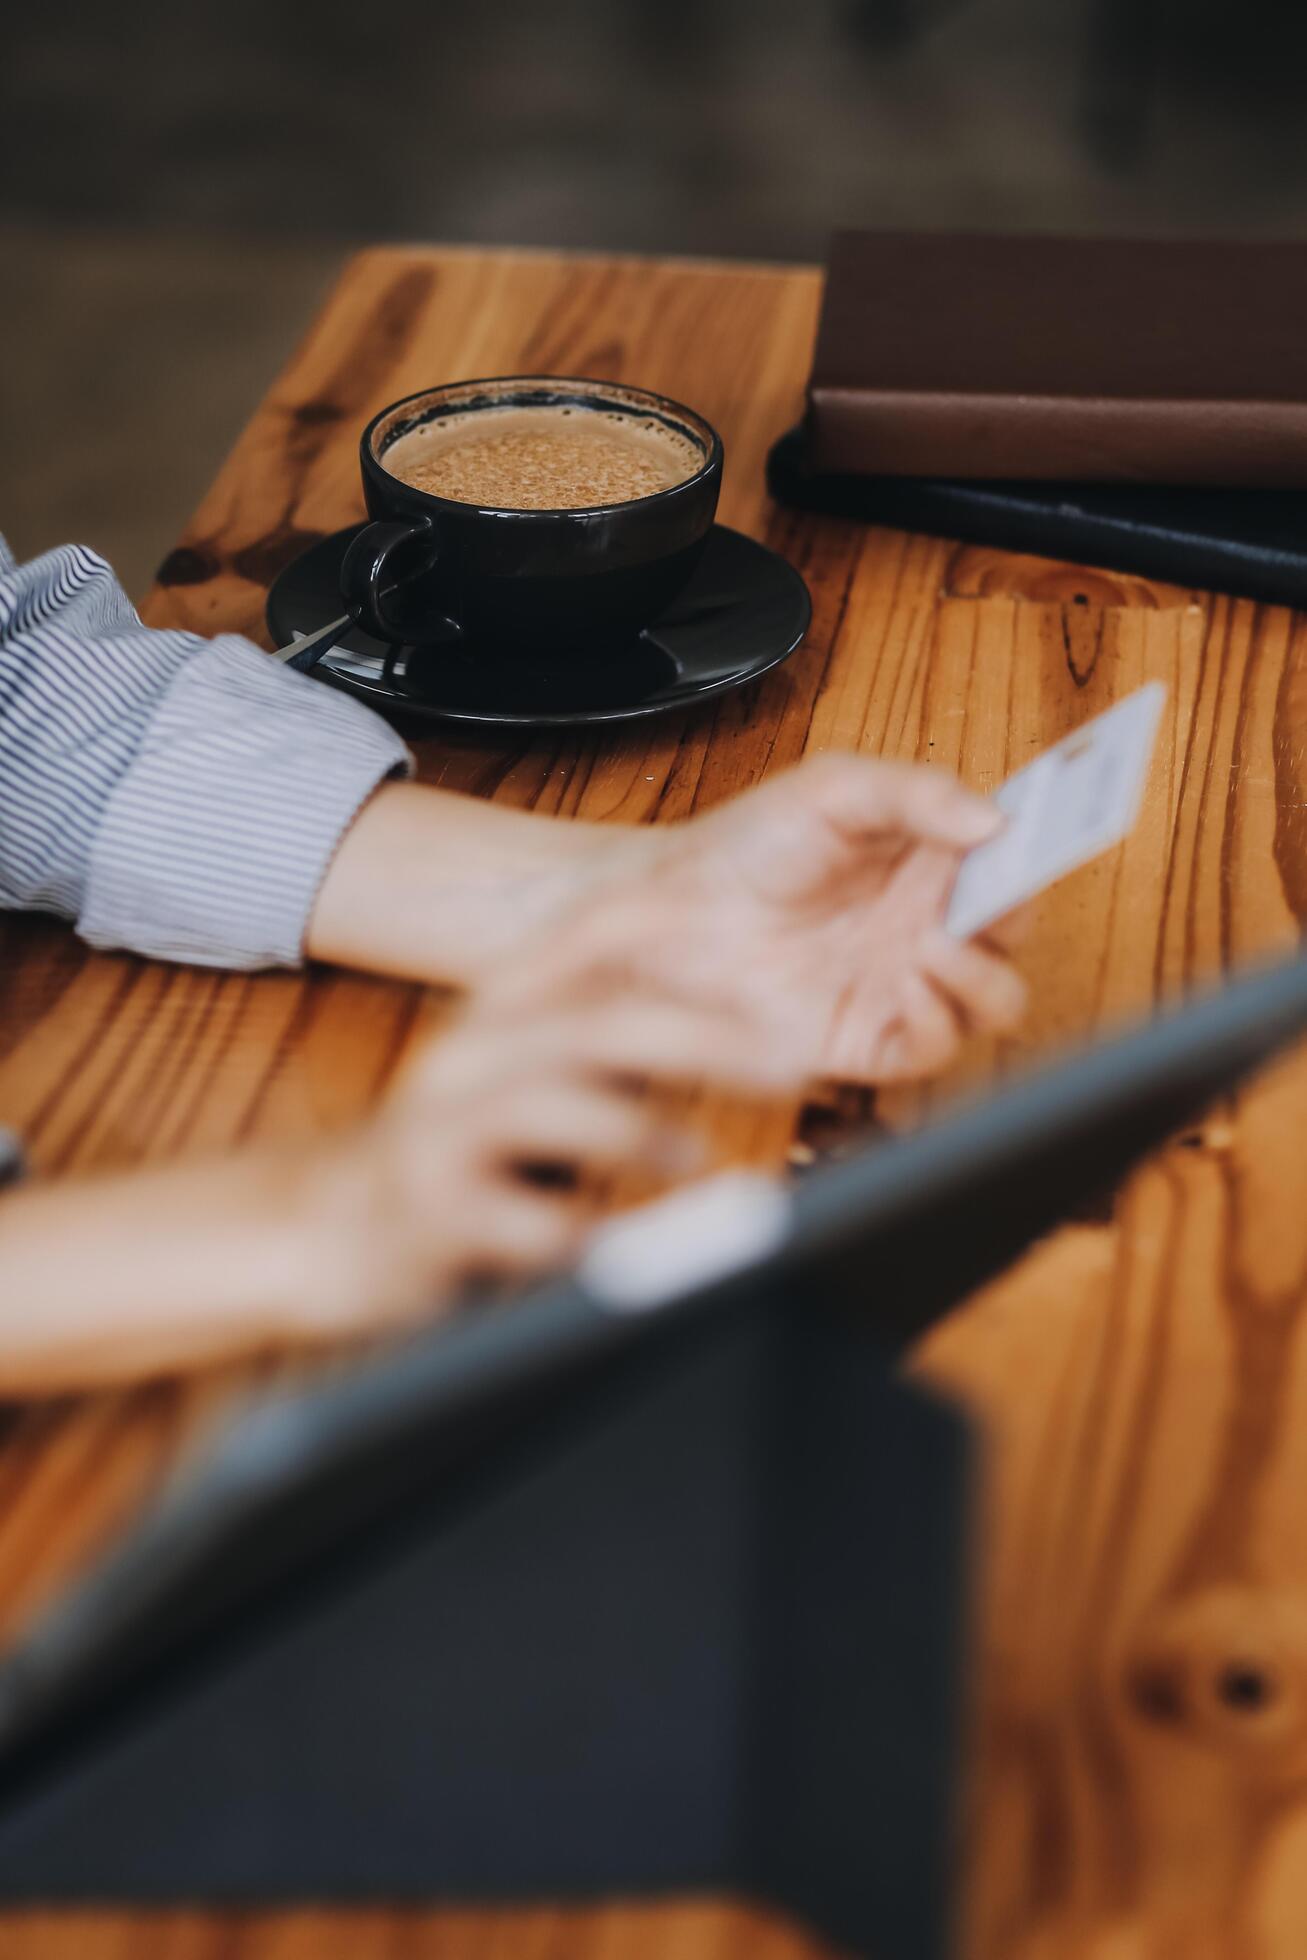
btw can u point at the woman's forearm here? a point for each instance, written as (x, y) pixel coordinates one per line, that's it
(434, 885)
(112, 1278)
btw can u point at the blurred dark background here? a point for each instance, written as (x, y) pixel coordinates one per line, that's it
(178, 182)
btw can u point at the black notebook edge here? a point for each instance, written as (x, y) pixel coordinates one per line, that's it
(1183, 536)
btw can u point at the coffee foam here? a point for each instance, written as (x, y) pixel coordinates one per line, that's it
(543, 457)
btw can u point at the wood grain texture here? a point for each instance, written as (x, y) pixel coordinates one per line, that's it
(1137, 1775)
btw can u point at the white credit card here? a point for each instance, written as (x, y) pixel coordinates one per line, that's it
(1072, 802)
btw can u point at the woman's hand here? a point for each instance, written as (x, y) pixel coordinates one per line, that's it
(482, 1165)
(486, 1162)
(813, 908)
(812, 905)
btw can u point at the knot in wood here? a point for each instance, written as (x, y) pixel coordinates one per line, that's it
(1226, 1667)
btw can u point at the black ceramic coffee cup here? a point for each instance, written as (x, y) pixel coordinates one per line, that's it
(428, 568)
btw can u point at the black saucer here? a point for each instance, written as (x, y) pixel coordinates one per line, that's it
(744, 610)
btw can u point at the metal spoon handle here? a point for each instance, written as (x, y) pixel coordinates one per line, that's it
(306, 649)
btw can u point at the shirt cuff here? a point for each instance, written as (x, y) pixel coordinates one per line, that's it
(214, 843)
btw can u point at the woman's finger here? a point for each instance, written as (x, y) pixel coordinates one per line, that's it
(582, 1125)
(865, 797)
(675, 1042)
(666, 1040)
(932, 1029)
(523, 1230)
(984, 986)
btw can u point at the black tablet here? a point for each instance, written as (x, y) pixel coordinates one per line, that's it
(900, 1230)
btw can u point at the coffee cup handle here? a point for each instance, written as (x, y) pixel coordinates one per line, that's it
(365, 576)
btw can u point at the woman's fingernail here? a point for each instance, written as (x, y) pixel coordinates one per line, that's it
(977, 821)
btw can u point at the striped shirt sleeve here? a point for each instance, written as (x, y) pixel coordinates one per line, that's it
(176, 796)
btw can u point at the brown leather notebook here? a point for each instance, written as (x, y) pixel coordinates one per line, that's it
(1091, 359)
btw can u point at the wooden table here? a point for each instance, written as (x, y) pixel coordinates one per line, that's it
(1138, 1774)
